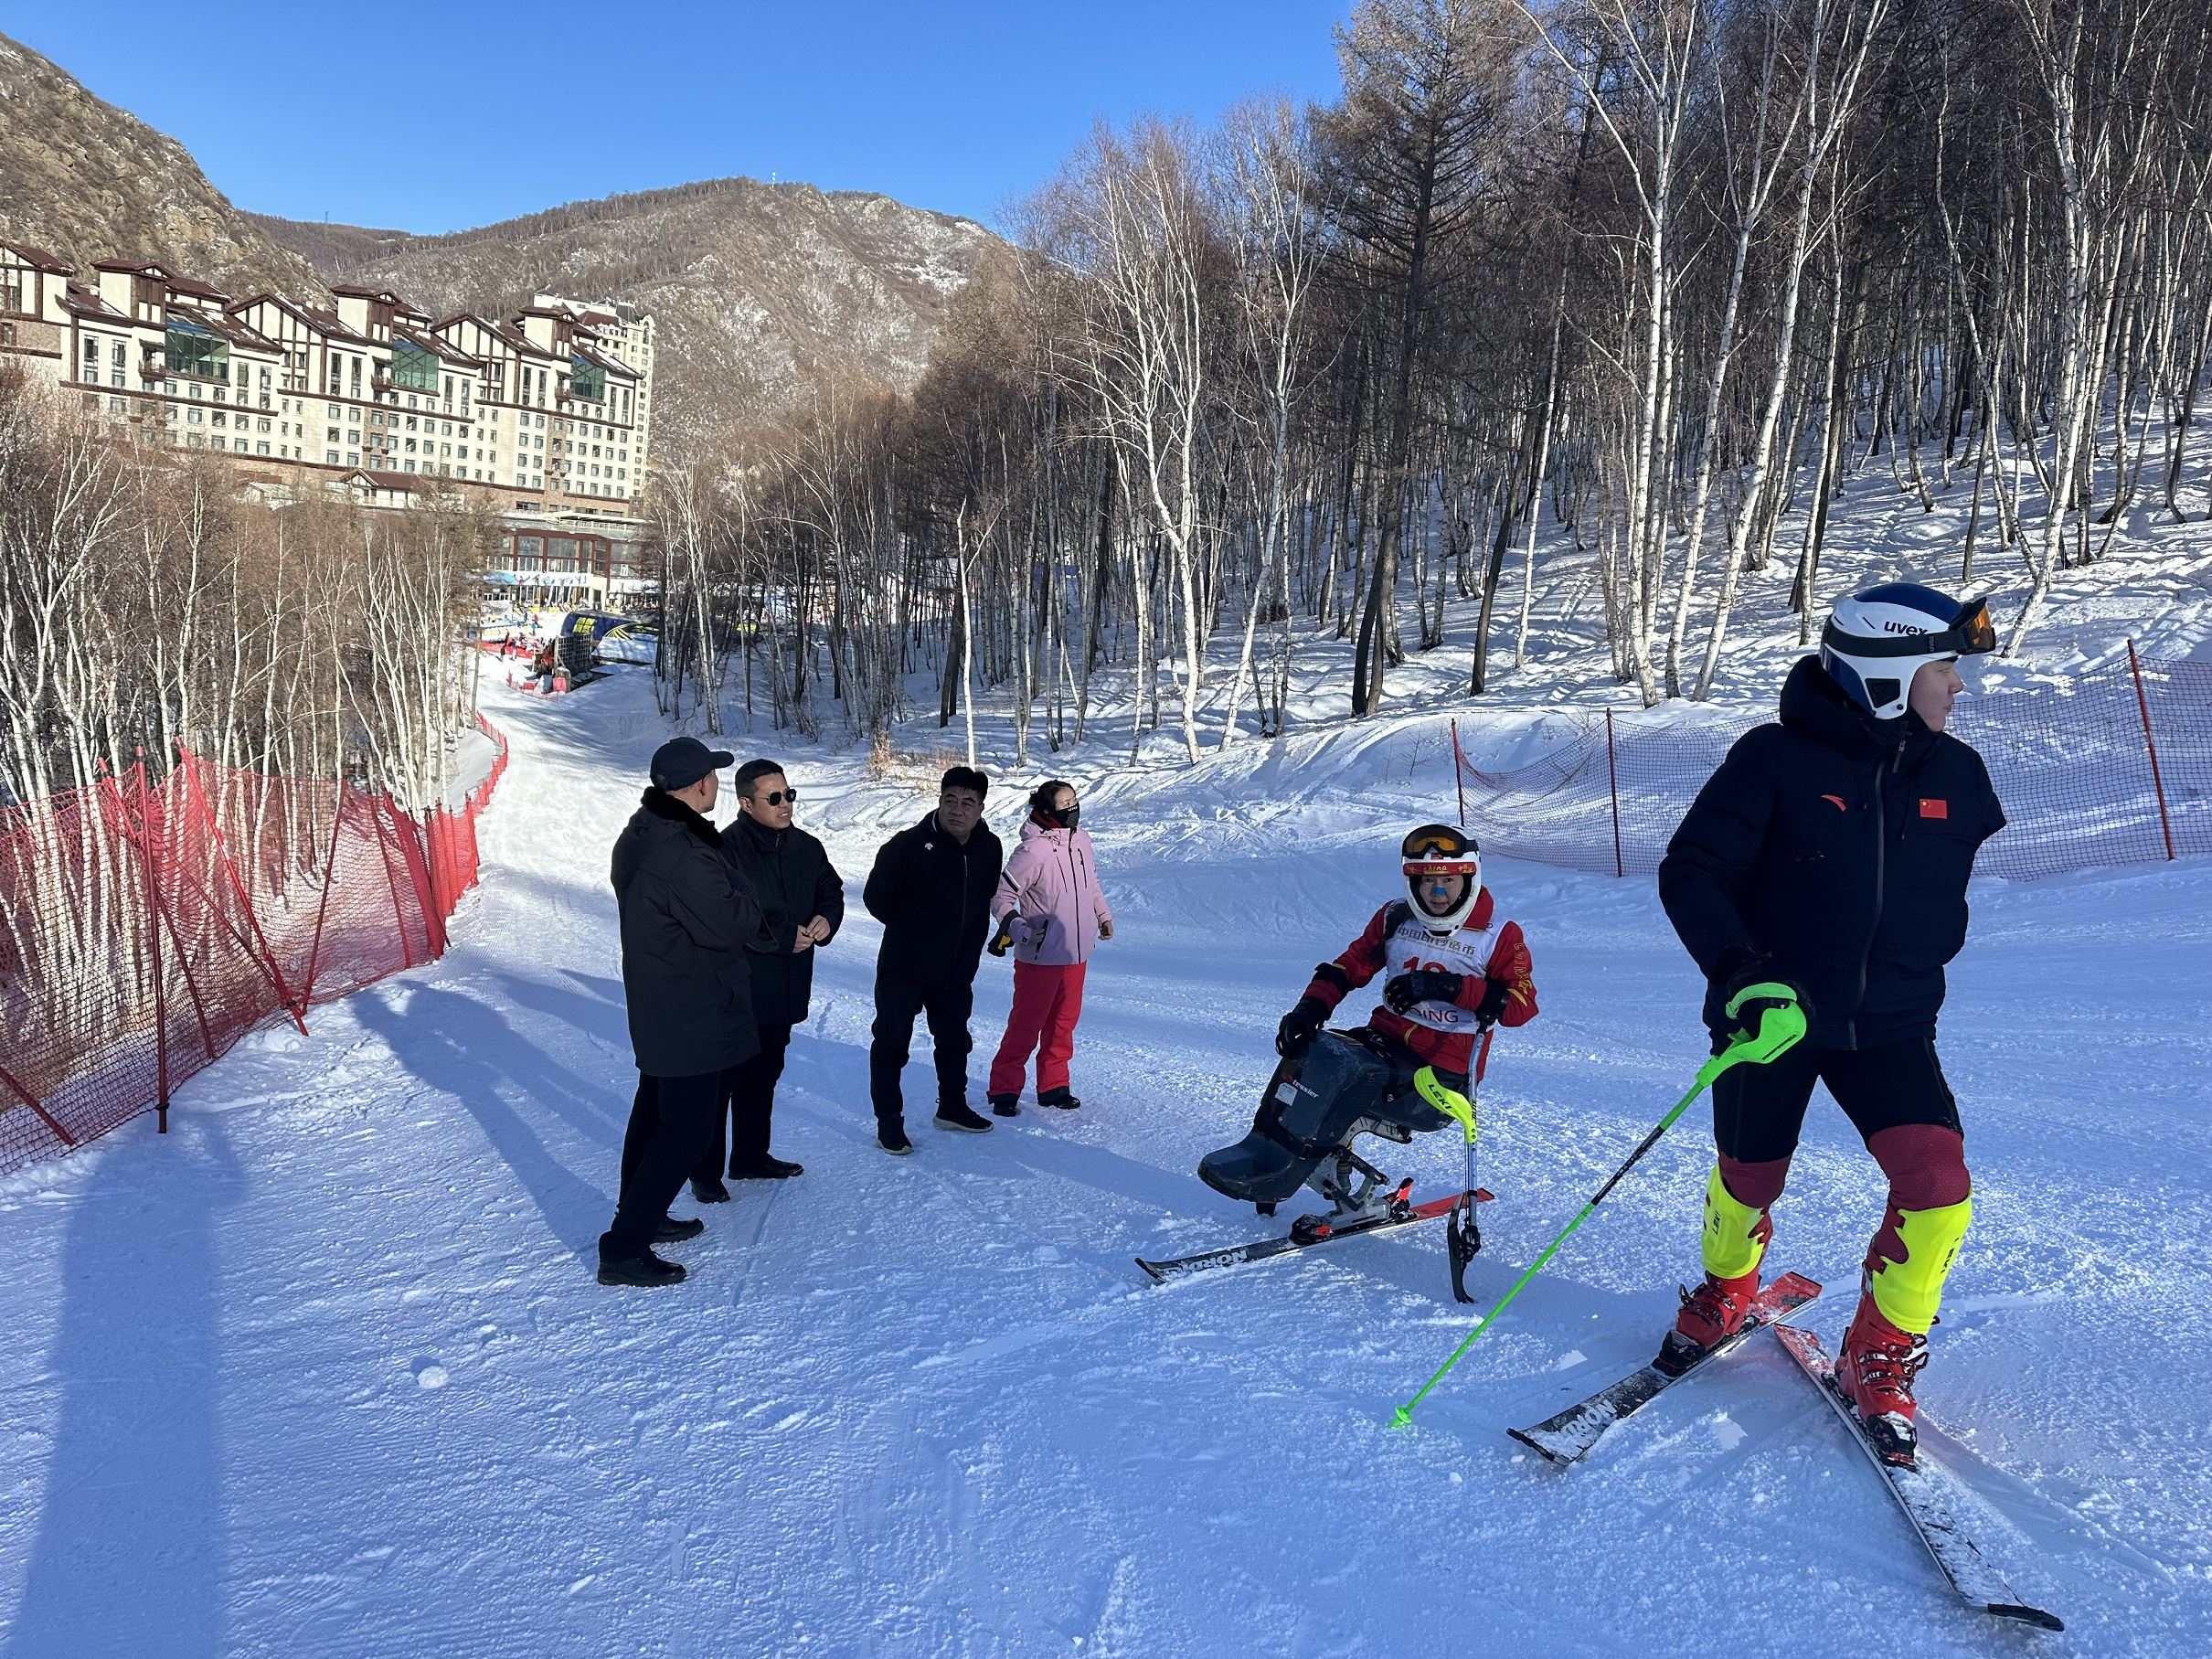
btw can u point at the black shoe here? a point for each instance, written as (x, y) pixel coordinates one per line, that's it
(955, 1114)
(645, 1270)
(892, 1138)
(672, 1231)
(767, 1169)
(708, 1189)
(1059, 1098)
(1006, 1105)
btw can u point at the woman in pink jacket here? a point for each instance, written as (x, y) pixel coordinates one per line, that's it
(1050, 908)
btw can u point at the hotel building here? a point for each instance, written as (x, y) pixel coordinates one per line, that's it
(369, 397)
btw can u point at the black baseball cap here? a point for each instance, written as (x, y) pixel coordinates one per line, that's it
(682, 761)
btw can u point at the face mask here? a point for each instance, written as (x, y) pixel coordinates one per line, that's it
(1066, 820)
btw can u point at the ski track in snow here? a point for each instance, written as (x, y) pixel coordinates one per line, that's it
(325, 1370)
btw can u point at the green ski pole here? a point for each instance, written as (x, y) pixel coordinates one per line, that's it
(1780, 1028)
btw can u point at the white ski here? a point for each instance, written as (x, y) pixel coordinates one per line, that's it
(1928, 1493)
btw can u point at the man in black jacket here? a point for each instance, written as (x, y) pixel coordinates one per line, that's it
(802, 904)
(685, 923)
(932, 889)
(1826, 863)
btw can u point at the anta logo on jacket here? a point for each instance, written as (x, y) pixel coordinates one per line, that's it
(1838, 847)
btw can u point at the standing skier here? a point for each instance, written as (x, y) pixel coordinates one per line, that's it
(1828, 857)
(1452, 970)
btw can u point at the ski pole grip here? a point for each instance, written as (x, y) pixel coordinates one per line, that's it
(1781, 1026)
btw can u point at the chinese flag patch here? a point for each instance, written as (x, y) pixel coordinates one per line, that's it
(1934, 809)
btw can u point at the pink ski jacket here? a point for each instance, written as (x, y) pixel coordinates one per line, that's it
(1052, 879)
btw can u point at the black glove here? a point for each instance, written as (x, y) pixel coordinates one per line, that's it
(1003, 940)
(1422, 985)
(1496, 993)
(1299, 1025)
(1758, 971)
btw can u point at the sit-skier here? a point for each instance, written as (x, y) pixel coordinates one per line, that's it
(1451, 970)
(1828, 857)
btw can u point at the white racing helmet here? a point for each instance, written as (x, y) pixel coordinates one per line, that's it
(1876, 640)
(1438, 849)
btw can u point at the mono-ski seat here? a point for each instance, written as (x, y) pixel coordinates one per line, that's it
(1315, 1103)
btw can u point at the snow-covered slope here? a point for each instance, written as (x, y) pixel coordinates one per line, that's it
(326, 1372)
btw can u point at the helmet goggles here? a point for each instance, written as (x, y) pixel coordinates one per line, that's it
(1970, 634)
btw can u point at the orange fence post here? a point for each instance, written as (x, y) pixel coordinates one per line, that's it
(1612, 789)
(1459, 776)
(330, 864)
(2149, 743)
(161, 1004)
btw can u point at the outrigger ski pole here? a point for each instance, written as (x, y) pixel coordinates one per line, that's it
(1780, 1027)
(1462, 1232)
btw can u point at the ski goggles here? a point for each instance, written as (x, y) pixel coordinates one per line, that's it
(1443, 845)
(1971, 633)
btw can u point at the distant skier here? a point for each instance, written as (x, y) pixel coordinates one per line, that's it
(1451, 969)
(1828, 856)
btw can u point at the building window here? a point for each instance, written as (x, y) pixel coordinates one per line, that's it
(352, 458)
(330, 457)
(193, 416)
(330, 435)
(414, 368)
(192, 348)
(261, 449)
(411, 466)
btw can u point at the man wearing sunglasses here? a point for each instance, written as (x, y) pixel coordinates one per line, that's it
(1826, 863)
(802, 902)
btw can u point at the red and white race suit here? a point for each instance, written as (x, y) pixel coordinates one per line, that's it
(1440, 1034)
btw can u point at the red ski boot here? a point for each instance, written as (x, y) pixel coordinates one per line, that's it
(1714, 1310)
(1875, 1373)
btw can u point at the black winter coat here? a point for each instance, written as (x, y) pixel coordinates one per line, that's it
(933, 897)
(686, 924)
(792, 874)
(1837, 847)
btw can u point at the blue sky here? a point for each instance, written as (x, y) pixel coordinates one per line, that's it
(469, 113)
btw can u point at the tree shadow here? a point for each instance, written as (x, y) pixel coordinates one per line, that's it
(459, 1046)
(132, 1551)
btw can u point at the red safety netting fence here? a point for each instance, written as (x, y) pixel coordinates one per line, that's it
(2113, 767)
(147, 924)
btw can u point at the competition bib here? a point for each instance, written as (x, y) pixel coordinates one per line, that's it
(1465, 952)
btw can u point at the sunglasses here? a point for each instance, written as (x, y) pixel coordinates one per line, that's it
(777, 797)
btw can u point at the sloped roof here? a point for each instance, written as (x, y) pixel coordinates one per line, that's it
(38, 257)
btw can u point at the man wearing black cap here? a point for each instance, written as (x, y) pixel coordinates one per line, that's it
(687, 919)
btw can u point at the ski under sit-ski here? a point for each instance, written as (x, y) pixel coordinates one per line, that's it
(1305, 1233)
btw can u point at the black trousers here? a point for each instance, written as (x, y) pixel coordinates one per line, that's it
(947, 1005)
(1760, 1110)
(670, 1120)
(749, 1099)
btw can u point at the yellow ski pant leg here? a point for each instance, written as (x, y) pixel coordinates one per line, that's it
(1907, 1292)
(1736, 1235)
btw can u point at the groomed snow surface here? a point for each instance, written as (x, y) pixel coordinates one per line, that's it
(325, 1371)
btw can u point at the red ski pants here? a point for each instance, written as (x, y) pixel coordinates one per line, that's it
(1047, 1001)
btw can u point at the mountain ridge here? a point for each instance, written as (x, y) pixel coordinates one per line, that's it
(86, 180)
(762, 293)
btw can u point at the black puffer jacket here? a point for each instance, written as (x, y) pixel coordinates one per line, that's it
(685, 923)
(933, 897)
(1836, 847)
(790, 872)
